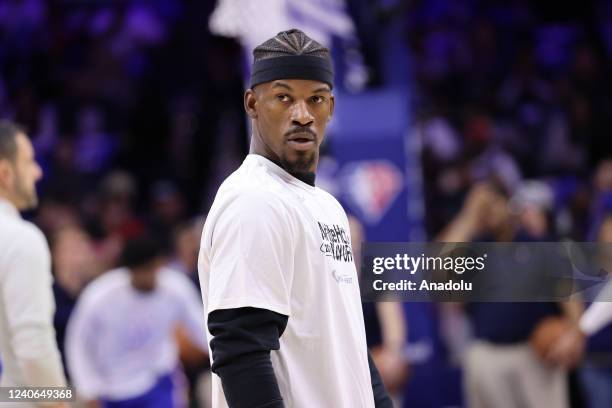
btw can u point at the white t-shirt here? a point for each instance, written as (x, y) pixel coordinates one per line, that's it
(276, 243)
(120, 341)
(28, 348)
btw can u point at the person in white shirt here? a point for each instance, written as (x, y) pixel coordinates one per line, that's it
(120, 344)
(276, 263)
(595, 370)
(28, 349)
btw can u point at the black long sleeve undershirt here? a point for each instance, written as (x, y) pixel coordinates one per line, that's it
(243, 339)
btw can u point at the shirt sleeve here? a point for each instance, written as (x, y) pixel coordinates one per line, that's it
(28, 298)
(252, 255)
(80, 346)
(599, 313)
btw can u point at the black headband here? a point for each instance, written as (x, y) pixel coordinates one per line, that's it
(292, 67)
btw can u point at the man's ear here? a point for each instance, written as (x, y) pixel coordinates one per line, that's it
(250, 101)
(332, 106)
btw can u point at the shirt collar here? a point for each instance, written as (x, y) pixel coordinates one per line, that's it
(8, 209)
(276, 169)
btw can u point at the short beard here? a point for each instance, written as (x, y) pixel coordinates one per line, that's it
(301, 168)
(27, 199)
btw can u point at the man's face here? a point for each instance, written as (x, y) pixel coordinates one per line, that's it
(25, 172)
(289, 120)
(144, 278)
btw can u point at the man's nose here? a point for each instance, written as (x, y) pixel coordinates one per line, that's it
(300, 115)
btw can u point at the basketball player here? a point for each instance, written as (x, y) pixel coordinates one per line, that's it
(28, 348)
(276, 263)
(120, 344)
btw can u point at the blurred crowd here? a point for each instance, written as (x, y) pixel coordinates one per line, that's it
(513, 108)
(140, 86)
(513, 90)
(135, 111)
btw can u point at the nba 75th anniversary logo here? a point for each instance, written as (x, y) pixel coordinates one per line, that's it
(336, 242)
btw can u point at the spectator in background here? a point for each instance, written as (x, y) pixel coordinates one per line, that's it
(596, 372)
(30, 357)
(601, 199)
(167, 207)
(116, 217)
(386, 330)
(94, 147)
(74, 265)
(120, 343)
(186, 237)
(501, 369)
(186, 244)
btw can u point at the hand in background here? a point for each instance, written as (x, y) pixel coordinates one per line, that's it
(568, 349)
(392, 367)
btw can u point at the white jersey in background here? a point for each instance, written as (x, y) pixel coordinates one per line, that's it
(599, 313)
(121, 341)
(276, 243)
(28, 348)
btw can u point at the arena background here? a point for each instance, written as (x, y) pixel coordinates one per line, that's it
(135, 110)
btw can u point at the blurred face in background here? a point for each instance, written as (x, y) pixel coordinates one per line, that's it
(534, 221)
(603, 176)
(605, 231)
(19, 177)
(74, 259)
(289, 121)
(187, 246)
(144, 277)
(605, 236)
(496, 215)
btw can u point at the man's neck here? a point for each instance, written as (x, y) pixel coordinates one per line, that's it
(308, 178)
(256, 148)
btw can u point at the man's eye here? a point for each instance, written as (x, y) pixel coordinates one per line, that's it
(318, 99)
(282, 97)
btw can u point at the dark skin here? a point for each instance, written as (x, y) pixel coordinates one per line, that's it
(289, 119)
(144, 277)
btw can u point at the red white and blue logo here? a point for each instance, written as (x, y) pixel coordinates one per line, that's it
(371, 186)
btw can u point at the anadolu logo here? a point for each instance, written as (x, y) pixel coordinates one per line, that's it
(372, 186)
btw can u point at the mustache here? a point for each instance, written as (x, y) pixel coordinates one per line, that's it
(301, 129)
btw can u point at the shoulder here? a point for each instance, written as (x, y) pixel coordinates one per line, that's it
(256, 185)
(253, 179)
(22, 243)
(262, 199)
(103, 287)
(328, 197)
(252, 203)
(34, 236)
(333, 202)
(253, 196)
(25, 235)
